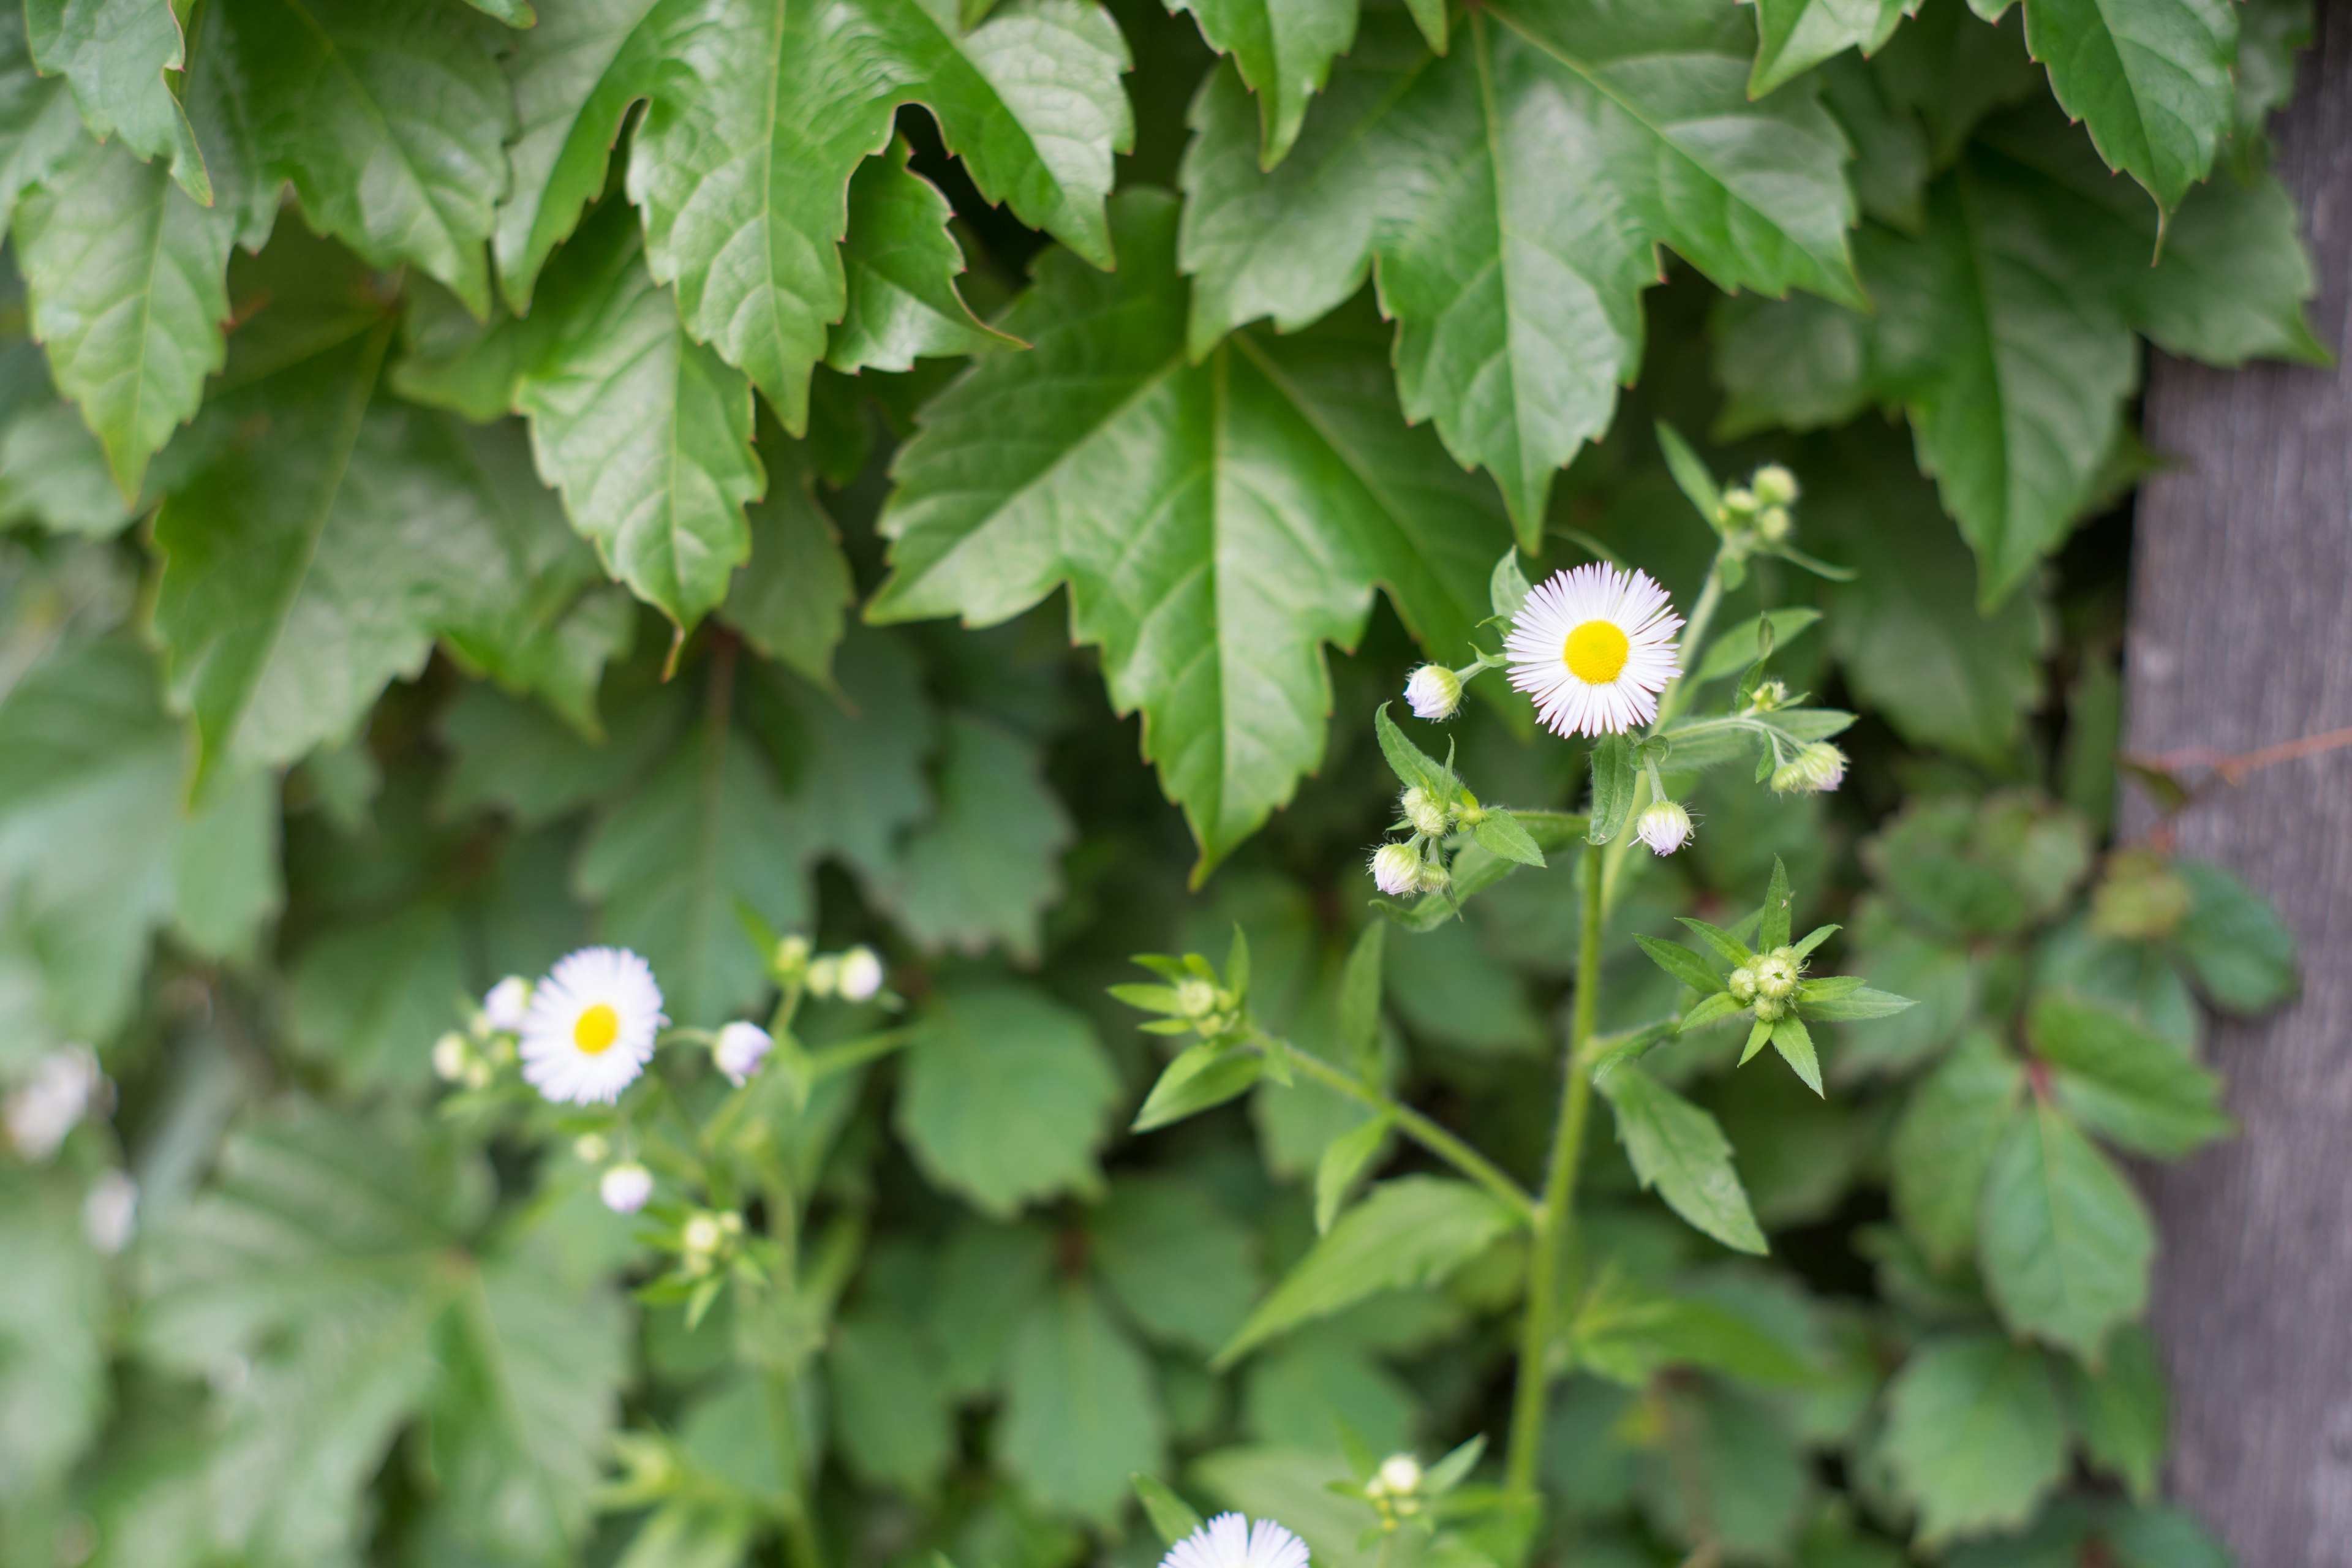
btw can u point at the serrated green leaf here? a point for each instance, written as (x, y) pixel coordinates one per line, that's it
(39, 125)
(744, 204)
(390, 120)
(1629, 1334)
(1678, 1150)
(370, 998)
(1217, 524)
(1415, 1230)
(125, 278)
(1795, 1044)
(1794, 36)
(791, 597)
(114, 53)
(1778, 901)
(98, 845)
(1429, 166)
(2063, 1242)
(2149, 80)
(1728, 947)
(648, 435)
(1346, 1158)
(2128, 1086)
(890, 1411)
(1081, 1409)
(1975, 1435)
(1855, 1006)
(1284, 52)
(1506, 586)
(1005, 1099)
(1414, 768)
(1682, 963)
(1691, 475)
(1944, 1142)
(1183, 1267)
(982, 871)
(2241, 955)
(901, 264)
(2120, 1410)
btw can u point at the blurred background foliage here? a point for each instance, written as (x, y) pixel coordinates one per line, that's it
(320, 716)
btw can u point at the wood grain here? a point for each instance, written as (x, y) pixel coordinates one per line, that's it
(2242, 636)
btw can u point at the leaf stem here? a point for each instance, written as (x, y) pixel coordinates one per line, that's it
(1552, 1257)
(1678, 690)
(1415, 1126)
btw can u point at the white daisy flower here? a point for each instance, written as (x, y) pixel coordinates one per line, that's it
(1230, 1540)
(740, 1049)
(1665, 826)
(507, 1005)
(590, 1027)
(626, 1187)
(1595, 646)
(860, 975)
(1433, 692)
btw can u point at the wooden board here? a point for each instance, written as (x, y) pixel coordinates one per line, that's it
(2242, 636)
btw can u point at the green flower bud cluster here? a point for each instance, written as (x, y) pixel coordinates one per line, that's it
(1768, 984)
(1760, 507)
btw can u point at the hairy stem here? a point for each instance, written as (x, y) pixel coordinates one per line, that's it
(1670, 703)
(1553, 1255)
(1420, 1130)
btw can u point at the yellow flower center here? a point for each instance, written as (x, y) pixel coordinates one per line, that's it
(595, 1029)
(1596, 651)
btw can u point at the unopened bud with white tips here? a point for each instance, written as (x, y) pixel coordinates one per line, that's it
(1773, 485)
(1401, 1474)
(860, 975)
(1665, 826)
(1432, 878)
(507, 1003)
(1819, 767)
(1424, 811)
(1396, 870)
(1433, 692)
(740, 1049)
(450, 1057)
(626, 1187)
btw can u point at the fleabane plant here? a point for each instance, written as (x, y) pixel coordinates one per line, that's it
(1608, 659)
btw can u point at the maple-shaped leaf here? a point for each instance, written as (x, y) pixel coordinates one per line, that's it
(1217, 523)
(1512, 197)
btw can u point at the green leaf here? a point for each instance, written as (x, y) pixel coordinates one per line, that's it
(513, 13)
(647, 434)
(2149, 80)
(1499, 834)
(390, 120)
(1795, 1044)
(2120, 1410)
(1737, 648)
(2235, 945)
(1005, 1099)
(1682, 963)
(1729, 948)
(2128, 1086)
(1774, 931)
(890, 1411)
(1346, 1158)
(98, 845)
(53, 1308)
(2064, 1243)
(1794, 36)
(983, 871)
(1284, 52)
(902, 264)
(1975, 1435)
(126, 280)
(372, 997)
(989, 1277)
(1629, 1334)
(114, 54)
(790, 597)
(1081, 1411)
(1203, 1078)
(1678, 1150)
(1424, 166)
(1691, 475)
(1944, 1145)
(1360, 995)
(1852, 1007)
(1183, 1268)
(743, 201)
(1506, 586)
(39, 125)
(1171, 1517)
(1216, 524)
(1616, 779)
(1414, 768)
(1415, 1230)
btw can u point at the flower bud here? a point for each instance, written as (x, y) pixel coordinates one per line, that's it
(504, 1007)
(1774, 485)
(861, 974)
(589, 1148)
(450, 1057)
(792, 954)
(1396, 870)
(824, 975)
(1776, 524)
(1195, 998)
(1433, 878)
(1665, 826)
(1819, 767)
(109, 1212)
(740, 1049)
(1741, 984)
(626, 1187)
(1427, 817)
(702, 1235)
(1739, 503)
(478, 1073)
(1776, 974)
(1768, 695)
(1400, 1475)
(1433, 692)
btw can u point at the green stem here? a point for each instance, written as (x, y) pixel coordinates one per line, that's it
(1670, 702)
(1555, 1220)
(1420, 1129)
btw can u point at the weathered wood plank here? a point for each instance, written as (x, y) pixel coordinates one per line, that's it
(2242, 636)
